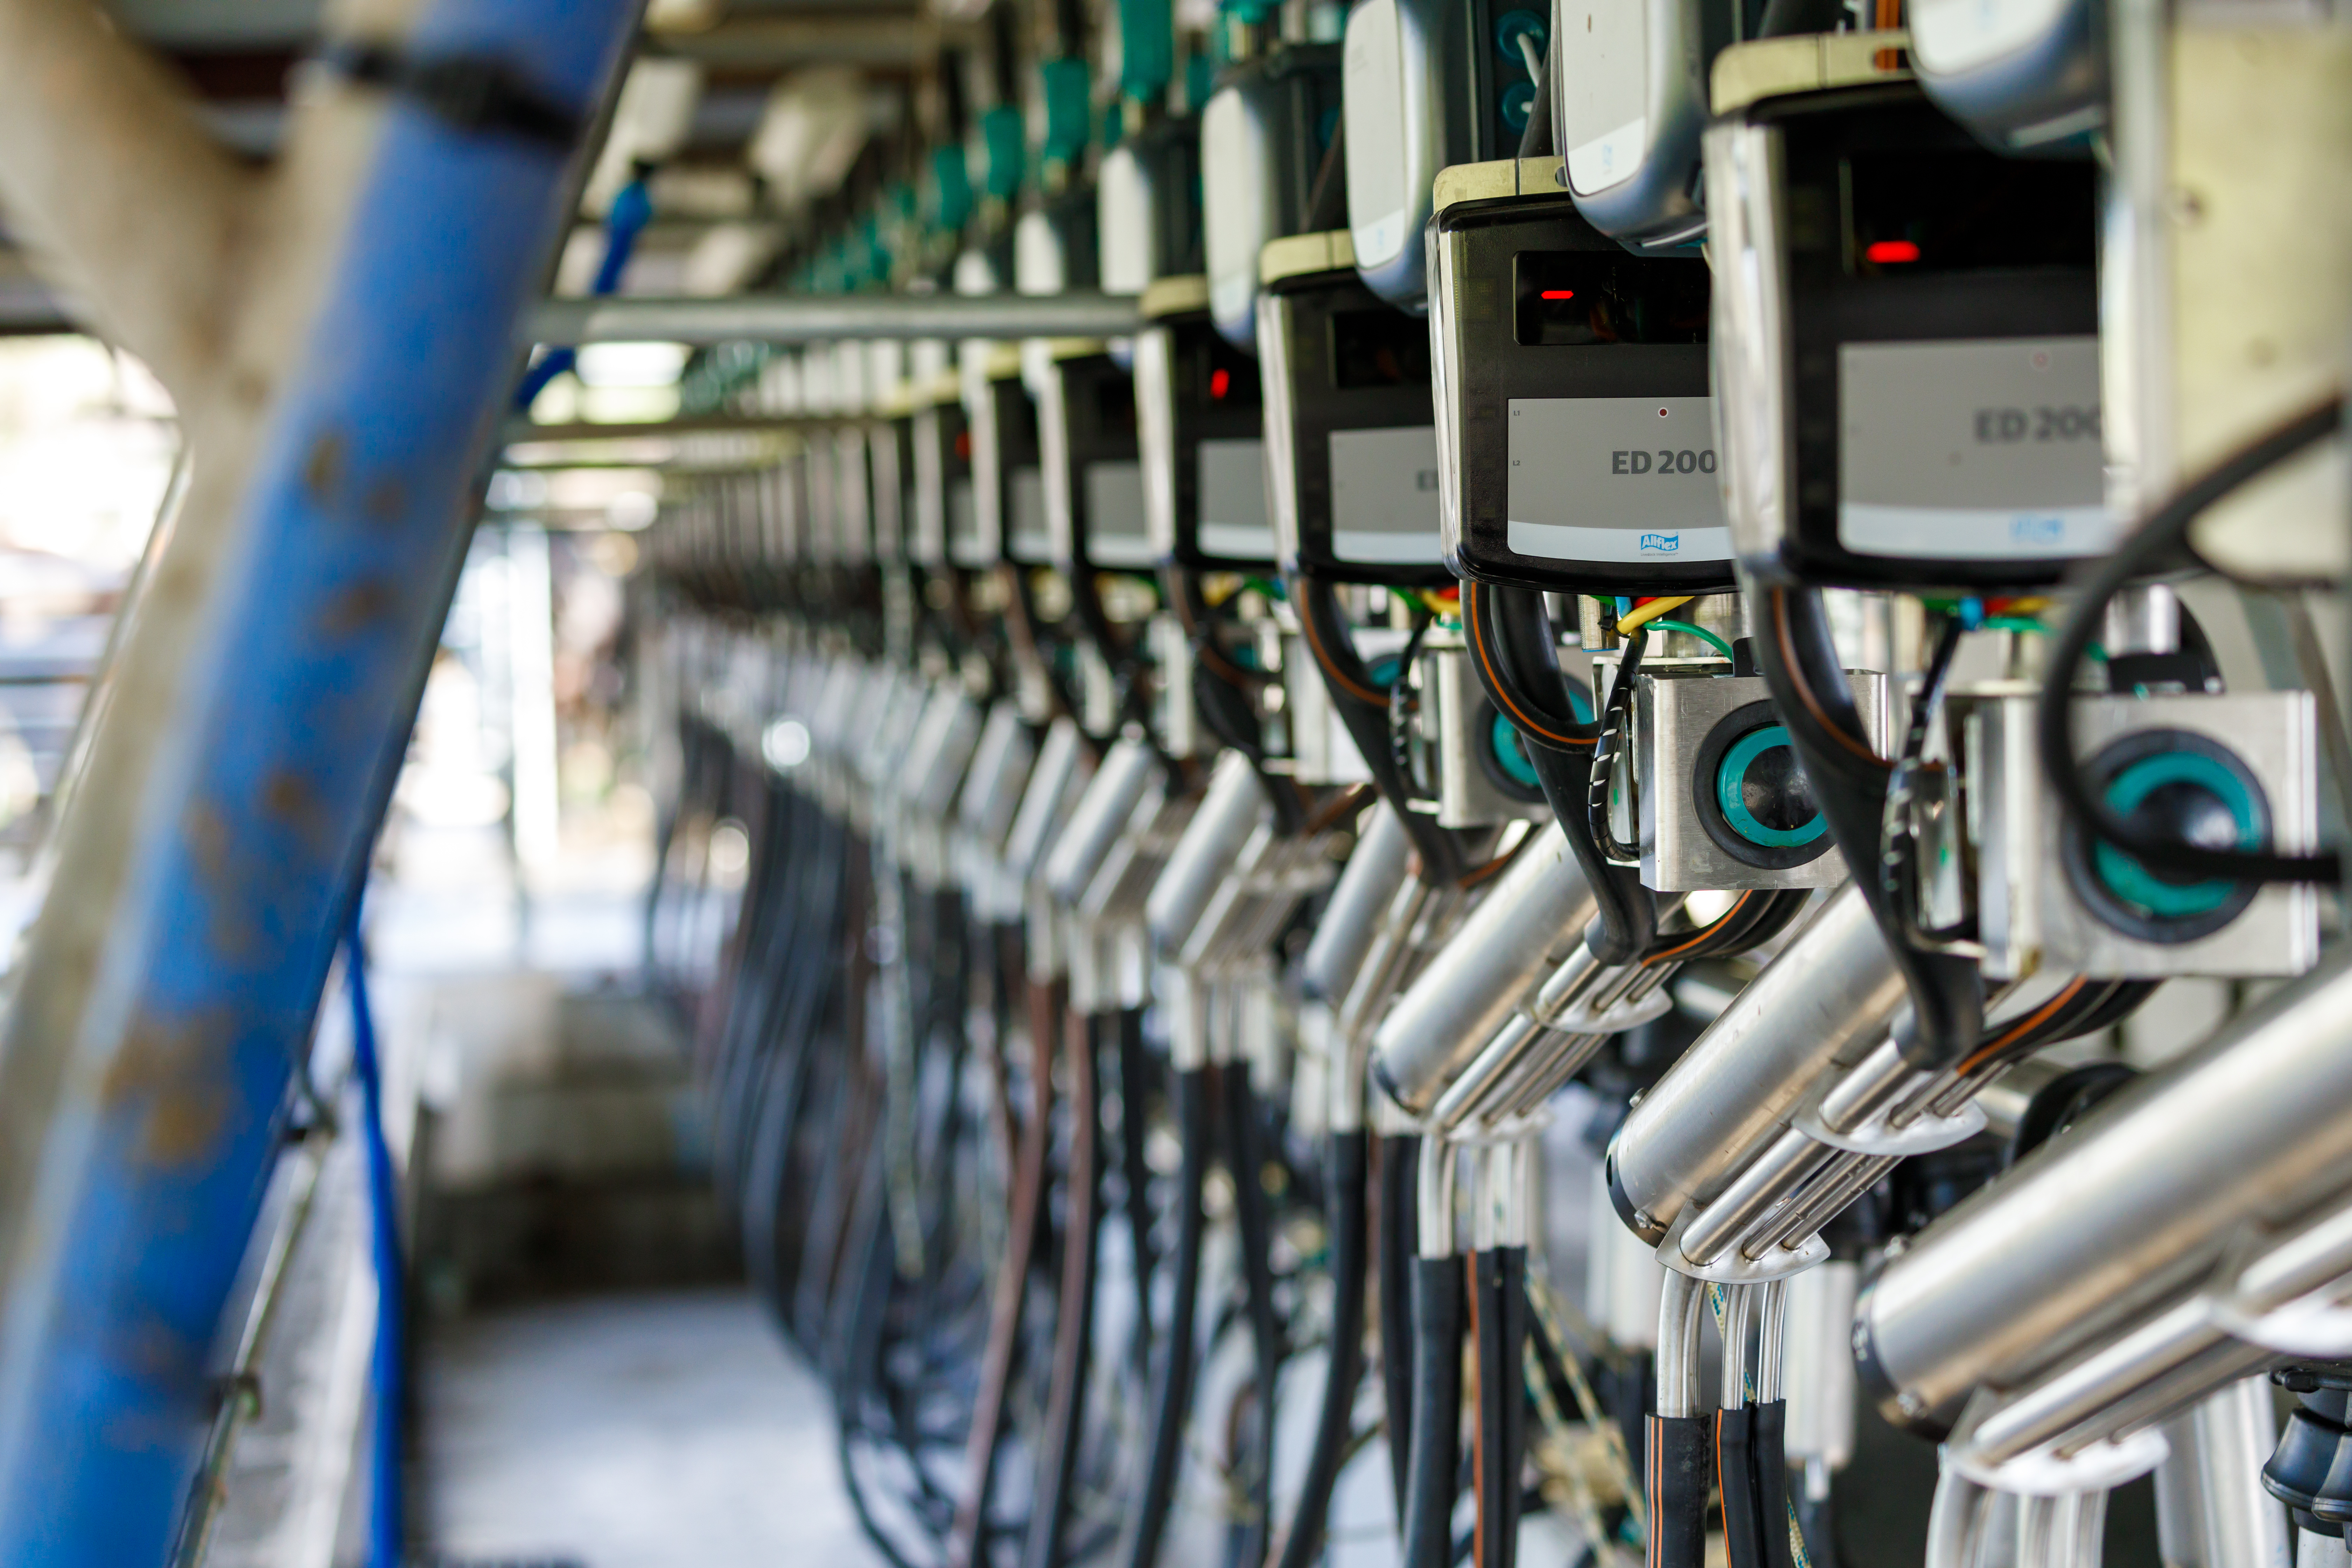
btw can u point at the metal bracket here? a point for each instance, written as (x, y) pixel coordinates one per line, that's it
(1733, 1268)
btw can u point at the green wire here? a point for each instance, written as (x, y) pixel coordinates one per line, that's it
(2014, 624)
(1266, 586)
(1411, 605)
(1663, 625)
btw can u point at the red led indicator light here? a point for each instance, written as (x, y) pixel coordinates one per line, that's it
(1560, 293)
(1884, 250)
(1220, 383)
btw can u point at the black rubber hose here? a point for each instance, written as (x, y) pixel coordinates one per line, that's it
(1066, 1399)
(1801, 668)
(1436, 1452)
(1344, 1203)
(1513, 652)
(1515, 1410)
(1134, 1124)
(1498, 1332)
(1772, 1512)
(1171, 1394)
(1256, 1224)
(1681, 1469)
(1735, 1464)
(1363, 707)
(1399, 1159)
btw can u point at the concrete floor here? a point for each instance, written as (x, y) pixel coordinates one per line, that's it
(653, 1431)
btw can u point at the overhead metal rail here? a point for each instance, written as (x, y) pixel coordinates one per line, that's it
(806, 319)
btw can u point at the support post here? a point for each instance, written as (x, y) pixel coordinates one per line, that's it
(339, 336)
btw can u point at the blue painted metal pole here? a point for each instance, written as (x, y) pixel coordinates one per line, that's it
(164, 999)
(387, 1500)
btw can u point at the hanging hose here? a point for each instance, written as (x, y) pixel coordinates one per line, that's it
(1023, 1238)
(1436, 1460)
(1135, 1166)
(1498, 1285)
(1363, 707)
(1680, 1437)
(1518, 664)
(1057, 1447)
(1399, 1159)
(1247, 1164)
(1303, 1544)
(389, 1366)
(1171, 1394)
(1801, 668)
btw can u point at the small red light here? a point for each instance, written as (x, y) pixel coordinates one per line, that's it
(1883, 251)
(963, 446)
(1560, 293)
(1220, 383)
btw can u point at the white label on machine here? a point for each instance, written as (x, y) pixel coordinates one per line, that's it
(1384, 501)
(1614, 478)
(1115, 536)
(1986, 450)
(1232, 500)
(1031, 539)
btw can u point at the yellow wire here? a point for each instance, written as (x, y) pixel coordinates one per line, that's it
(1644, 614)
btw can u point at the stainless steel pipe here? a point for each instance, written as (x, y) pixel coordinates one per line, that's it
(1229, 813)
(1823, 1002)
(2127, 1210)
(1377, 869)
(824, 318)
(1534, 917)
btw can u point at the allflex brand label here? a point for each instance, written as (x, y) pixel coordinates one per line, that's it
(1384, 498)
(1977, 450)
(1614, 478)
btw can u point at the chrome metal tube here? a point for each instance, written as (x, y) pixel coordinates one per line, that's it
(829, 318)
(2125, 1211)
(2233, 1433)
(1955, 1520)
(1126, 771)
(1823, 1002)
(1229, 813)
(1846, 1180)
(1739, 1320)
(1344, 936)
(1772, 1178)
(1535, 913)
(1679, 1310)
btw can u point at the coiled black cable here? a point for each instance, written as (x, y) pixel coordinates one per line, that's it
(2164, 533)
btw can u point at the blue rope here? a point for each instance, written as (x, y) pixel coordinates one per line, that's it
(625, 220)
(389, 1367)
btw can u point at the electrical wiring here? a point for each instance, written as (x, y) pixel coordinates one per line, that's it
(1518, 667)
(1363, 707)
(1648, 611)
(1606, 753)
(1850, 779)
(1660, 624)
(2165, 533)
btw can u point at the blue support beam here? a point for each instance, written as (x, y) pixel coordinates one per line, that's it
(146, 1063)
